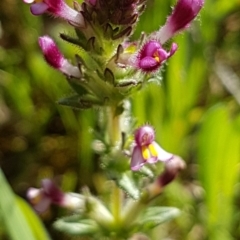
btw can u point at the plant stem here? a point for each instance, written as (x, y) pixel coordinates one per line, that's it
(114, 132)
(116, 204)
(114, 135)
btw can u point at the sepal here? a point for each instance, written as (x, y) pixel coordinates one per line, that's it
(76, 86)
(80, 41)
(109, 76)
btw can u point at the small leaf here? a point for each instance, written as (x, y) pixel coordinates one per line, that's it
(108, 31)
(72, 40)
(76, 86)
(125, 32)
(86, 58)
(128, 185)
(155, 216)
(119, 110)
(147, 172)
(91, 43)
(75, 225)
(109, 77)
(80, 102)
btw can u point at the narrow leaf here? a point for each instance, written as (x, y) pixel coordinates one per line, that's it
(13, 217)
(128, 185)
(155, 216)
(74, 225)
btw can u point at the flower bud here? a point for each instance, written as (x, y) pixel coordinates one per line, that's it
(58, 8)
(55, 59)
(183, 13)
(172, 167)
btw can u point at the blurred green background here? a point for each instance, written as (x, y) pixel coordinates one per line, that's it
(195, 112)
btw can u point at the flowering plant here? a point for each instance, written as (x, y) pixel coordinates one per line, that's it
(108, 69)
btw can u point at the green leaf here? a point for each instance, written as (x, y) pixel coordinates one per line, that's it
(128, 185)
(75, 225)
(80, 102)
(14, 215)
(76, 86)
(146, 172)
(33, 220)
(86, 59)
(155, 216)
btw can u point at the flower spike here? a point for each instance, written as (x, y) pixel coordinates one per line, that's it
(58, 8)
(182, 15)
(55, 59)
(146, 150)
(152, 56)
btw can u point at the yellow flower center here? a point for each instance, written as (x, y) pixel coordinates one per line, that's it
(156, 56)
(149, 151)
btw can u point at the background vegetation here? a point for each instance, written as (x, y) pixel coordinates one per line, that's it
(195, 112)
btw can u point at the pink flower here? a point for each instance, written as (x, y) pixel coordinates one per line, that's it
(146, 150)
(55, 59)
(152, 56)
(58, 8)
(49, 194)
(182, 15)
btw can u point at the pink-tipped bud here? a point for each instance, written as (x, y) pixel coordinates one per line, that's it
(54, 57)
(58, 8)
(172, 168)
(51, 52)
(152, 55)
(146, 150)
(183, 13)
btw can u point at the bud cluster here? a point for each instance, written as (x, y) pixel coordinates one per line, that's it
(108, 66)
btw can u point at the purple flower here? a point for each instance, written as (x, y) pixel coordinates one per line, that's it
(49, 194)
(152, 56)
(55, 58)
(183, 13)
(146, 150)
(58, 8)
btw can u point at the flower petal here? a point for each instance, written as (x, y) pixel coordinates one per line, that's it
(38, 199)
(162, 154)
(28, 1)
(153, 154)
(173, 49)
(163, 55)
(151, 47)
(38, 8)
(137, 160)
(148, 64)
